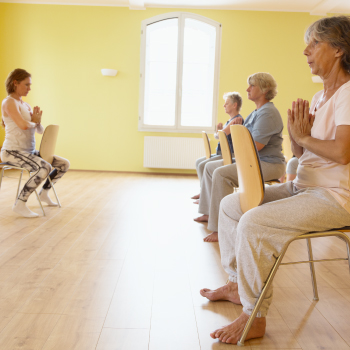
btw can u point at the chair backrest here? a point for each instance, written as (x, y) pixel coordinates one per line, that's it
(206, 145)
(287, 149)
(250, 179)
(225, 148)
(48, 143)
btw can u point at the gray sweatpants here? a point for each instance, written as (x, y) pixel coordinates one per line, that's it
(217, 183)
(250, 242)
(201, 162)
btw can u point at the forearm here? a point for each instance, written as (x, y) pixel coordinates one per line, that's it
(39, 128)
(296, 149)
(330, 149)
(227, 130)
(26, 125)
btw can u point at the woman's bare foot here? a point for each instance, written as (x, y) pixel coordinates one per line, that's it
(196, 196)
(233, 332)
(196, 202)
(203, 218)
(227, 292)
(212, 237)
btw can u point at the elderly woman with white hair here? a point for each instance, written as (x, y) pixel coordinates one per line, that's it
(317, 200)
(266, 126)
(232, 106)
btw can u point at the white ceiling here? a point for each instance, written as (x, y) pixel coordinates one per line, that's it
(314, 7)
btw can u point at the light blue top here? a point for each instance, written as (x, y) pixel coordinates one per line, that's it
(266, 126)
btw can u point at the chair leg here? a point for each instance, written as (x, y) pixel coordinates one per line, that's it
(346, 239)
(1, 175)
(348, 251)
(261, 297)
(54, 191)
(312, 269)
(41, 206)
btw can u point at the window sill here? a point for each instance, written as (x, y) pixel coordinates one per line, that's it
(178, 131)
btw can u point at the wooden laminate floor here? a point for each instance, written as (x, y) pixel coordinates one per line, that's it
(119, 267)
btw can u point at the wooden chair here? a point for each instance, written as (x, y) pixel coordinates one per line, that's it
(270, 182)
(225, 148)
(251, 195)
(46, 151)
(206, 145)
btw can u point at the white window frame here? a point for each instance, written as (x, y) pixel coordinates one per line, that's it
(177, 127)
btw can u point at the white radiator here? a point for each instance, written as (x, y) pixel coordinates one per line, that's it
(172, 152)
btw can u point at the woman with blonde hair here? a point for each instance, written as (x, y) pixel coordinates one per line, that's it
(266, 126)
(21, 123)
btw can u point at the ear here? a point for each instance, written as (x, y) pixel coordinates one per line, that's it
(338, 52)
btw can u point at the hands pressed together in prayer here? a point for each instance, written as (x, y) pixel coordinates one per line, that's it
(36, 115)
(300, 121)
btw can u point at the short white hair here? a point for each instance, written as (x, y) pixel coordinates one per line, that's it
(235, 97)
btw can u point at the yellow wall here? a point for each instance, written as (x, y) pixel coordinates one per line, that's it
(64, 48)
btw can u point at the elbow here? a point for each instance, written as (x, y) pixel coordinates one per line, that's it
(344, 158)
(24, 127)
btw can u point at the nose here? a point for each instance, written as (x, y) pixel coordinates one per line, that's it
(306, 51)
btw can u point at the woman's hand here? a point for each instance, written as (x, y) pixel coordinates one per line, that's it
(238, 120)
(36, 115)
(219, 127)
(300, 121)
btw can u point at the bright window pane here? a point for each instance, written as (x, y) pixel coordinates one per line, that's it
(198, 73)
(160, 73)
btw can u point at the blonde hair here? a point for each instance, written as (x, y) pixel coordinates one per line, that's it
(266, 83)
(336, 32)
(235, 97)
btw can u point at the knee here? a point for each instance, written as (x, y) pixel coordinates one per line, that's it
(66, 165)
(206, 170)
(217, 176)
(216, 173)
(201, 166)
(231, 202)
(199, 161)
(231, 206)
(247, 226)
(46, 167)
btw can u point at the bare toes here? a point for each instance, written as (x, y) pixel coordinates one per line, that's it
(231, 340)
(223, 337)
(218, 333)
